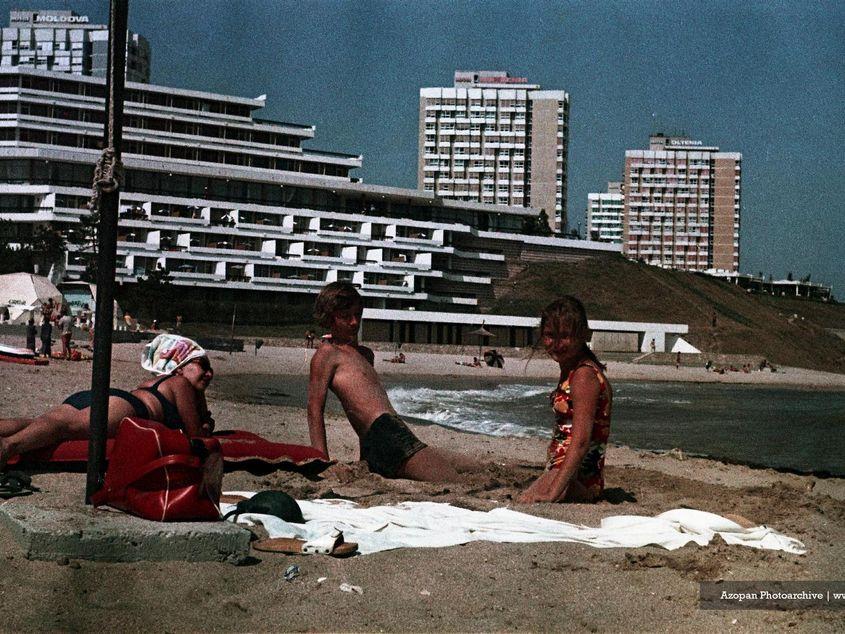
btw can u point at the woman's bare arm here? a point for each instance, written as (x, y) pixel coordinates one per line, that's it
(188, 403)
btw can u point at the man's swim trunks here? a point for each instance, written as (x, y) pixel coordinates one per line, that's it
(81, 400)
(388, 444)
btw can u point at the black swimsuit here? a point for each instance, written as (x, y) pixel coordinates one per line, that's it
(81, 400)
(169, 411)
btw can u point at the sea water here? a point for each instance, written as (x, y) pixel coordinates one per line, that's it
(784, 428)
(795, 429)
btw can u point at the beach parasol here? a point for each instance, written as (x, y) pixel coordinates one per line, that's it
(24, 293)
(481, 332)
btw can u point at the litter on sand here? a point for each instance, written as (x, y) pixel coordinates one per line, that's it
(345, 587)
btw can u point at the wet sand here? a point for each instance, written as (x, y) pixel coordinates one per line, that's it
(477, 587)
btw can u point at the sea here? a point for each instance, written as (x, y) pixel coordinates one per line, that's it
(791, 429)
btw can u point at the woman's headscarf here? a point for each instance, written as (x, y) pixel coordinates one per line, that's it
(167, 353)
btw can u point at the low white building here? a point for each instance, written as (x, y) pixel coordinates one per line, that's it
(512, 331)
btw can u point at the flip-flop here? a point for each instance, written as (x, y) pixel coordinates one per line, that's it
(331, 544)
(15, 484)
(232, 499)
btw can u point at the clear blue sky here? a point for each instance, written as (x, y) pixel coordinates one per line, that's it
(764, 78)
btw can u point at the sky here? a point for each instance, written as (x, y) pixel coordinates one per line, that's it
(764, 78)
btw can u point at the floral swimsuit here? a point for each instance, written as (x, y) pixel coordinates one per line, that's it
(591, 472)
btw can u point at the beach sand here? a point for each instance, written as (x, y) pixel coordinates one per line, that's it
(476, 587)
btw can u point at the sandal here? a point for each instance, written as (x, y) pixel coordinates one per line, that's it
(331, 544)
(15, 484)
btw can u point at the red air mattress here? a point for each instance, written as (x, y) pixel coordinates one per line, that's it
(238, 446)
(10, 354)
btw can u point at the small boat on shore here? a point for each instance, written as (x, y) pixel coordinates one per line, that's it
(10, 354)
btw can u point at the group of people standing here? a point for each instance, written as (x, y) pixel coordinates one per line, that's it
(58, 316)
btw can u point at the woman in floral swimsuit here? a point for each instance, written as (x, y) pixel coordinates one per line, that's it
(581, 403)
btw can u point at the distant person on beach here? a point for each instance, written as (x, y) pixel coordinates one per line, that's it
(47, 310)
(31, 331)
(65, 326)
(581, 403)
(46, 338)
(309, 338)
(83, 317)
(176, 398)
(343, 366)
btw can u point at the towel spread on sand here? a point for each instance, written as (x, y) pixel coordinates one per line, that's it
(433, 524)
(167, 353)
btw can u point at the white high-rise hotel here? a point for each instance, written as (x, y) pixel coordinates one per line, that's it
(604, 214)
(493, 138)
(65, 42)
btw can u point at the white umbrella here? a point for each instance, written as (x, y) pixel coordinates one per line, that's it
(24, 293)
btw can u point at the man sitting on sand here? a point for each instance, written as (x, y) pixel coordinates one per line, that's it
(387, 445)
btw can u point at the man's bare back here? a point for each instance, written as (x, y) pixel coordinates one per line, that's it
(354, 381)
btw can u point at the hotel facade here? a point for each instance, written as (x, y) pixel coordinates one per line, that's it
(65, 42)
(233, 206)
(492, 138)
(682, 205)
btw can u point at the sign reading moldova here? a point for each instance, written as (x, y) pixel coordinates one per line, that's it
(64, 19)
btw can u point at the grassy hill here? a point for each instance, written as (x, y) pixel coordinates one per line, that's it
(786, 331)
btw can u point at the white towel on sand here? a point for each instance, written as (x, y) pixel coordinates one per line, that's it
(433, 524)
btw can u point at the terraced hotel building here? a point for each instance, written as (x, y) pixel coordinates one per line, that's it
(234, 206)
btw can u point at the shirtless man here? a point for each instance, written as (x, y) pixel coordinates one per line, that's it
(346, 368)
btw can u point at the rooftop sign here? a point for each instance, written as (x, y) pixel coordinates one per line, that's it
(46, 17)
(685, 142)
(487, 78)
(64, 19)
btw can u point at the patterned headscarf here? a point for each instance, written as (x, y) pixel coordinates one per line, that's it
(167, 353)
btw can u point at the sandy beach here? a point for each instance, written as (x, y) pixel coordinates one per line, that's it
(476, 587)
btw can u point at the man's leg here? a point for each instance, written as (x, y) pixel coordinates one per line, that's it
(429, 465)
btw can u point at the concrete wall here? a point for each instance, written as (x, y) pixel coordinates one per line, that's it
(543, 183)
(723, 215)
(615, 342)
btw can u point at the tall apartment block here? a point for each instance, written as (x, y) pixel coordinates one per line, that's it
(604, 214)
(682, 205)
(62, 41)
(493, 138)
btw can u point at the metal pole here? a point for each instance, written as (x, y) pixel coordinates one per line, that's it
(232, 337)
(107, 182)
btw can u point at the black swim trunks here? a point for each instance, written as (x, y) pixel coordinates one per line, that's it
(81, 400)
(388, 444)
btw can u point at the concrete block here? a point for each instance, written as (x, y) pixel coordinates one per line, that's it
(50, 533)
